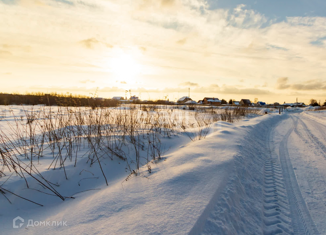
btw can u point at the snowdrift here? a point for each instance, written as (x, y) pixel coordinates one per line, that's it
(214, 184)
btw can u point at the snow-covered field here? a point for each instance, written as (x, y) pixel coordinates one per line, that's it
(195, 174)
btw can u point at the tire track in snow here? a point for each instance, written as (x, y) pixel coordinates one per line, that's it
(302, 222)
(314, 118)
(276, 206)
(239, 207)
(313, 179)
(277, 216)
(263, 197)
(313, 138)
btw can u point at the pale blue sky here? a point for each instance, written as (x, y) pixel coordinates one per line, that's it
(276, 9)
(272, 9)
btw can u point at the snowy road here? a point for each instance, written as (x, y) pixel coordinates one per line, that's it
(262, 175)
(294, 181)
(304, 150)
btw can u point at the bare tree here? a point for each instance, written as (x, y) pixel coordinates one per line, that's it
(313, 102)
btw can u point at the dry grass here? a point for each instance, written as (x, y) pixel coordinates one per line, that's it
(100, 134)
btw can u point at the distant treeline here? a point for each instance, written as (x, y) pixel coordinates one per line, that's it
(55, 99)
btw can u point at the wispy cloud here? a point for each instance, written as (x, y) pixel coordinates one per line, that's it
(16, 47)
(182, 41)
(143, 49)
(187, 84)
(91, 43)
(87, 81)
(5, 53)
(244, 91)
(282, 83)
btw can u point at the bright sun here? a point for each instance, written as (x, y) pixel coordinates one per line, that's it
(125, 68)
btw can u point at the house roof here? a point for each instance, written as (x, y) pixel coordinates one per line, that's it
(246, 101)
(210, 98)
(214, 100)
(191, 102)
(134, 97)
(183, 98)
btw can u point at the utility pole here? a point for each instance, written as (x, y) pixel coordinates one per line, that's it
(189, 92)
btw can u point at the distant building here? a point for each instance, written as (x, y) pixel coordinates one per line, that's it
(191, 102)
(211, 101)
(299, 104)
(117, 98)
(224, 102)
(134, 98)
(261, 103)
(293, 105)
(163, 102)
(183, 100)
(99, 99)
(287, 105)
(236, 103)
(245, 102)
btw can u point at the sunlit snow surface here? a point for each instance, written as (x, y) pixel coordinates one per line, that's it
(218, 184)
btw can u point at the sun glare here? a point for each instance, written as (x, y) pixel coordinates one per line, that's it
(125, 68)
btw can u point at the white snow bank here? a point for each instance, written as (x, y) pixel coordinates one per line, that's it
(238, 209)
(178, 196)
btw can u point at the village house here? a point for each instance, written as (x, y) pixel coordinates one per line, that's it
(261, 103)
(183, 100)
(211, 101)
(134, 98)
(299, 104)
(191, 102)
(245, 102)
(117, 98)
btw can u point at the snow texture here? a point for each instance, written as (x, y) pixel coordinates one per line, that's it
(263, 175)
